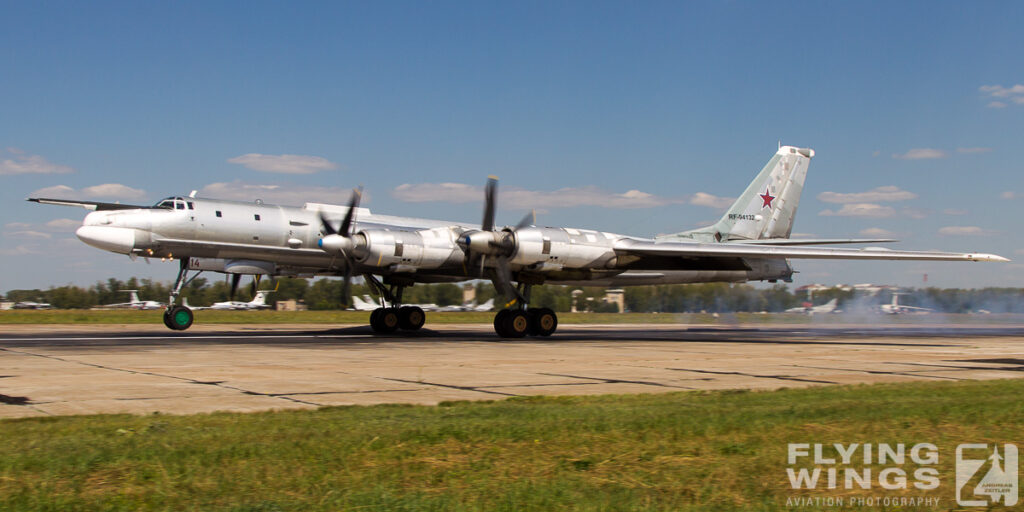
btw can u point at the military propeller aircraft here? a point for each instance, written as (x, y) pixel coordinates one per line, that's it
(750, 242)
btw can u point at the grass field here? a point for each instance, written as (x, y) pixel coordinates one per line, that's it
(83, 316)
(678, 451)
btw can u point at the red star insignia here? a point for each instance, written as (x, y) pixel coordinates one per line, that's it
(767, 197)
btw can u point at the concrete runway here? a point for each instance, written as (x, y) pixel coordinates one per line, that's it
(59, 370)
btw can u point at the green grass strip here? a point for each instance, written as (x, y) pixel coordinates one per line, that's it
(677, 451)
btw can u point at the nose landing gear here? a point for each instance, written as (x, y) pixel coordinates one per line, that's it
(179, 318)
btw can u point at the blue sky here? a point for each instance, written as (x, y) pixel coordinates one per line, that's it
(911, 107)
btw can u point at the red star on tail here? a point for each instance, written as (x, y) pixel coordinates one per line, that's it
(767, 197)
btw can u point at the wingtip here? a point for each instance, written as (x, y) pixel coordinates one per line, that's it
(988, 257)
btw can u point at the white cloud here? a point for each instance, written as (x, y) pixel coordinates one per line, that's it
(1005, 95)
(20, 163)
(703, 199)
(18, 251)
(115, 191)
(877, 233)
(285, 164)
(442, 192)
(998, 91)
(17, 225)
(55, 192)
(27, 234)
(880, 194)
(292, 195)
(518, 198)
(973, 150)
(64, 224)
(861, 210)
(963, 231)
(921, 154)
(1009, 194)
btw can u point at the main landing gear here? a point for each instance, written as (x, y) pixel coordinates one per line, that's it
(517, 323)
(520, 320)
(389, 319)
(180, 317)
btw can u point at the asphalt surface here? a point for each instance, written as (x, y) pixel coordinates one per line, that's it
(59, 370)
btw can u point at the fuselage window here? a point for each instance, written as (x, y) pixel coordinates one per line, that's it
(218, 213)
(257, 216)
(191, 205)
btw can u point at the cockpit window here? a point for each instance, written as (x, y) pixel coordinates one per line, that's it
(191, 205)
(179, 205)
(167, 202)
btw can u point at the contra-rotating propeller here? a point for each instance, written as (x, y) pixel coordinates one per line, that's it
(498, 244)
(339, 240)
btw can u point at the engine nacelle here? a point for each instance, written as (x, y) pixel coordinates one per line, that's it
(426, 249)
(558, 247)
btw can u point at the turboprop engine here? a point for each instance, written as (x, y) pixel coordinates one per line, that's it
(406, 250)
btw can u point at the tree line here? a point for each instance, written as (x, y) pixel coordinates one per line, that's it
(325, 294)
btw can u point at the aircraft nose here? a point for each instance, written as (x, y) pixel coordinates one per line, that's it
(119, 240)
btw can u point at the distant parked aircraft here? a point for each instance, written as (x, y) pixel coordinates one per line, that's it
(133, 303)
(32, 305)
(258, 302)
(809, 309)
(895, 308)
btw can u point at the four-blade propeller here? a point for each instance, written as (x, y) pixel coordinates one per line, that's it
(497, 244)
(340, 240)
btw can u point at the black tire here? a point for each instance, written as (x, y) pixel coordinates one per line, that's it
(375, 319)
(411, 318)
(517, 324)
(499, 322)
(387, 321)
(546, 322)
(179, 318)
(534, 327)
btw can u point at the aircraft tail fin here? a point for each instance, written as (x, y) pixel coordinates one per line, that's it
(767, 207)
(133, 295)
(261, 298)
(361, 304)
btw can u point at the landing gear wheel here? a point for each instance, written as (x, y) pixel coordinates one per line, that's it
(547, 322)
(513, 324)
(543, 321)
(411, 318)
(517, 324)
(386, 320)
(499, 322)
(178, 318)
